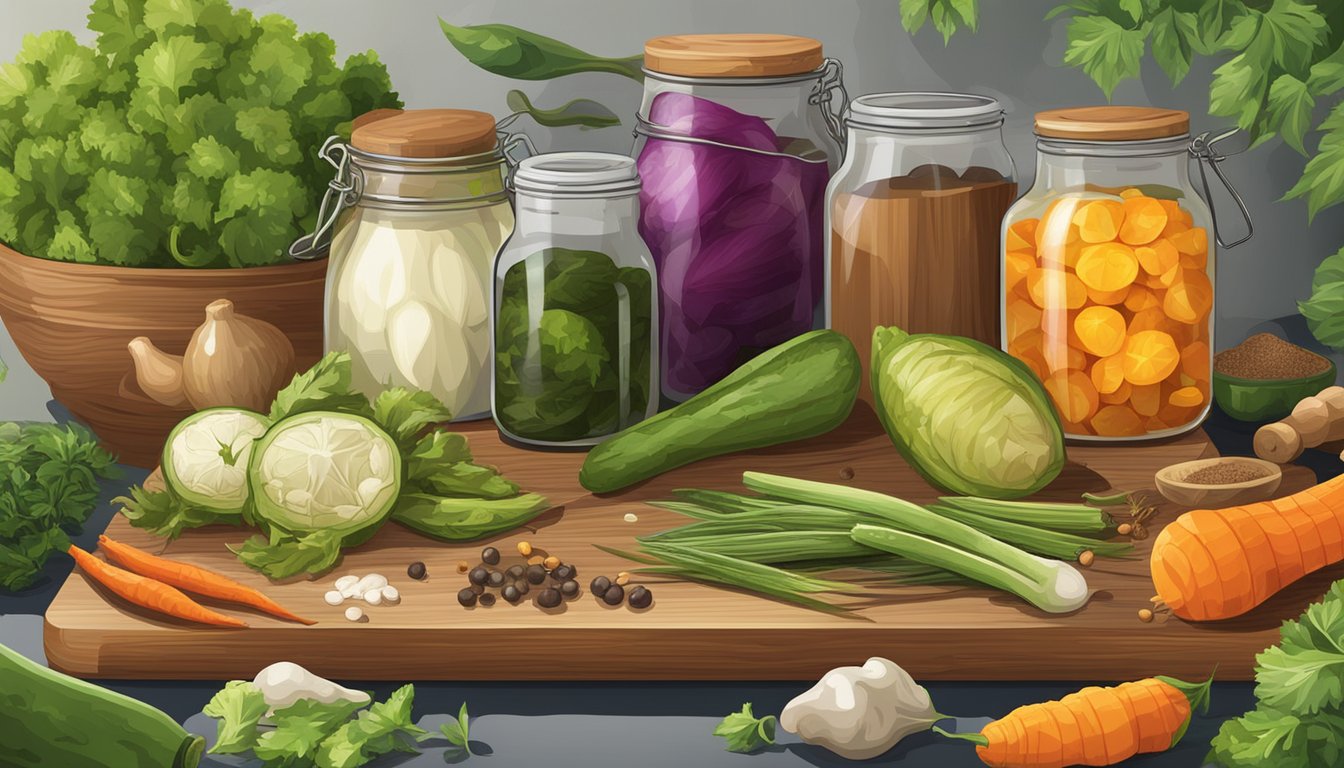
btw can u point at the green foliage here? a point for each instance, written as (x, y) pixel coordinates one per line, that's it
(522, 55)
(745, 732)
(185, 135)
(48, 487)
(558, 374)
(1324, 311)
(1298, 721)
(458, 732)
(946, 15)
(309, 733)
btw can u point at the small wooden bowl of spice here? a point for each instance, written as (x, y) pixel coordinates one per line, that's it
(1220, 482)
(1263, 377)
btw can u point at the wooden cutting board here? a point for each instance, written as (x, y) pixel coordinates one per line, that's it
(692, 631)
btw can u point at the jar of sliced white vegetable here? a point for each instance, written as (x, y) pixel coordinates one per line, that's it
(408, 291)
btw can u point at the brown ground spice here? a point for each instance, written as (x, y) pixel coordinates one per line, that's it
(1224, 474)
(1266, 356)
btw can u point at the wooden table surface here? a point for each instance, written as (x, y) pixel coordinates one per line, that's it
(692, 631)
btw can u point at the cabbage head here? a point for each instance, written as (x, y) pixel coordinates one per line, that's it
(969, 418)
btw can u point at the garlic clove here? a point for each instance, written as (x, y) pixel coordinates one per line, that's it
(236, 361)
(860, 712)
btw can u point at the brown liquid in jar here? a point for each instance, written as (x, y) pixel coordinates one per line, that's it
(920, 252)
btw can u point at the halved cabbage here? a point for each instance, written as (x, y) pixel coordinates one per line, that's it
(971, 419)
(206, 456)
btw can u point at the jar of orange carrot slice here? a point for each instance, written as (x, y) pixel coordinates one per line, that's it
(1108, 274)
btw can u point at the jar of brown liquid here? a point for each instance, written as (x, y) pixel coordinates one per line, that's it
(914, 216)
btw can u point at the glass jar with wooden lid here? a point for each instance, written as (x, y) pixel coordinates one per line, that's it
(1108, 272)
(737, 137)
(416, 214)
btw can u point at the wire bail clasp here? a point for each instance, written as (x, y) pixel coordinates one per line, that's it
(343, 192)
(831, 84)
(1204, 149)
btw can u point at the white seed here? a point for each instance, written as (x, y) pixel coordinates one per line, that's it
(334, 598)
(373, 596)
(631, 517)
(346, 581)
(354, 613)
(372, 581)
(391, 594)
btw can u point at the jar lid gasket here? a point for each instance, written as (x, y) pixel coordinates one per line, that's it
(577, 173)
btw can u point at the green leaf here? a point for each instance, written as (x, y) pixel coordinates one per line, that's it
(1173, 32)
(914, 13)
(1322, 181)
(1134, 8)
(458, 732)
(284, 555)
(462, 480)
(239, 707)
(1327, 75)
(382, 728)
(1289, 110)
(516, 53)
(301, 728)
(1238, 90)
(164, 514)
(1106, 51)
(172, 63)
(1291, 30)
(405, 413)
(584, 113)
(210, 159)
(452, 519)
(324, 387)
(744, 732)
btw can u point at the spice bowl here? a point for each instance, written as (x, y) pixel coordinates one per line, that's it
(1280, 374)
(1172, 484)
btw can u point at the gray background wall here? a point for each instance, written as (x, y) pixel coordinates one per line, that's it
(1015, 57)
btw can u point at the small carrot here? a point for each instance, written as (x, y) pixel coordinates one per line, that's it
(149, 593)
(1094, 726)
(192, 578)
(1211, 564)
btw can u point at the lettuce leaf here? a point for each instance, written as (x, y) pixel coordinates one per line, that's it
(1324, 311)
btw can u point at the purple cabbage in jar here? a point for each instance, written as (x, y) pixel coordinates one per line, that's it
(736, 236)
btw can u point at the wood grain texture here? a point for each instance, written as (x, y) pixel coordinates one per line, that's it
(72, 323)
(426, 133)
(692, 631)
(732, 55)
(1112, 123)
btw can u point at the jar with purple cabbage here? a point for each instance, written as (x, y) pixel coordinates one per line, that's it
(575, 321)
(737, 138)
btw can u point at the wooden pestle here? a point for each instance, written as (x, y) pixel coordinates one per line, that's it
(1314, 420)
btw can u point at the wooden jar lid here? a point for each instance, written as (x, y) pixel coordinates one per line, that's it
(1112, 123)
(426, 133)
(733, 55)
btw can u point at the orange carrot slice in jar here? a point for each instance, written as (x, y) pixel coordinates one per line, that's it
(1052, 289)
(1146, 399)
(1192, 241)
(1186, 397)
(1099, 221)
(1117, 421)
(1056, 228)
(1101, 330)
(1190, 299)
(1108, 298)
(1145, 218)
(1195, 361)
(1130, 193)
(1016, 265)
(1107, 374)
(1073, 394)
(1158, 256)
(1021, 317)
(1107, 267)
(1150, 357)
(1140, 298)
(1021, 235)
(1121, 394)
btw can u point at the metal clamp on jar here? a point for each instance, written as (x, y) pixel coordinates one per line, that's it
(414, 218)
(736, 138)
(1108, 271)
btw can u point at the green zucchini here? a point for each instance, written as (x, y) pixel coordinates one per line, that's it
(802, 388)
(51, 719)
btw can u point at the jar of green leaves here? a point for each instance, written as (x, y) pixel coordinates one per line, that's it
(575, 319)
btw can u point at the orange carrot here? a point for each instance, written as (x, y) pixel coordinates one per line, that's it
(1213, 564)
(1095, 726)
(191, 578)
(149, 593)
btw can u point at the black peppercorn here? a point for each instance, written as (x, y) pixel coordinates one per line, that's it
(599, 586)
(549, 598)
(564, 572)
(515, 572)
(614, 595)
(466, 597)
(510, 593)
(478, 575)
(487, 599)
(490, 556)
(522, 586)
(495, 579)
(569, 588)
(416, 570)
(640, 597)
(536, 574)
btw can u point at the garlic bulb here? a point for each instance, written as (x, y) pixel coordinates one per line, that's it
(235, 360)
(285, 682)
(860, 712)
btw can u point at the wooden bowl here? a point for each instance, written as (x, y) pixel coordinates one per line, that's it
(72, 322)
(1171, 483)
